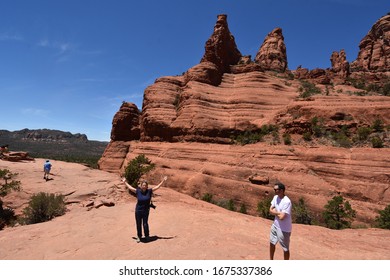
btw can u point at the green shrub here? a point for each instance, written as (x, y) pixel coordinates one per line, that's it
(383, 220)
(248, 137)
(263, 208)
(301, 215)
(43, 207)
(308, 89)
(358, 83)
(363, 133)
(386, 89)
(317, 130)
(338, 214)
(227, 204)
(254, 136)
(7, 216)
(207, 197)
(136, 168)
(287, 139)
(373, 87)
(377, 126)
(307, 136)
(243, 209)
(317, 126)
(376, 142)
(342, 139)
(7, 184)
(230, 205)
(275, 137)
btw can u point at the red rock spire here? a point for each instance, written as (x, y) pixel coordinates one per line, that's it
(221, 48)
(272, 53)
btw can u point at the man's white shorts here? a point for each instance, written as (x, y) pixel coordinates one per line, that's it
(277, 235)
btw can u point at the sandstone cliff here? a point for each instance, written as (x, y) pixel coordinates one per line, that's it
(189, 123)
(374, 48)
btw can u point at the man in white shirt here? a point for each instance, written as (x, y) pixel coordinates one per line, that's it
(281, 228)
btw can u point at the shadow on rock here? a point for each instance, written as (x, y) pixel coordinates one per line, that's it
(155, 238)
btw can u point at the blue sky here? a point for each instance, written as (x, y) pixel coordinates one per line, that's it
(68, 65)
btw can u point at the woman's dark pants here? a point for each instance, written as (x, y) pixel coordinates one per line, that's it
(141, 218)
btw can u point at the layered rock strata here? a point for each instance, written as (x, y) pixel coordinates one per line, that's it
(374, 48)
(272, 53)
(187, 121)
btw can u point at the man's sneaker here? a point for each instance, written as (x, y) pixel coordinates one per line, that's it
(138, 240)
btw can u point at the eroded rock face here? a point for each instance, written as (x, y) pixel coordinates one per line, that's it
(187, 120)
(340, 65)
(374, 54)
(221, 48)
(205, 72)
(125, 125)
(272, 53)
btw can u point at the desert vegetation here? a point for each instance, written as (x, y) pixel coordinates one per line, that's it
(373, 135)
(136, 168)
(43, 207)
(338, 213)
(228, 204)
(251, 137)
(367, 88)
(8, 184)
(383, 219)
(308, 89)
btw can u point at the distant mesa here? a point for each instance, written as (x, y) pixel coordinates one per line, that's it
(48, 135)
(51, 143)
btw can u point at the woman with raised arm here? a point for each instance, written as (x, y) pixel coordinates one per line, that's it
(144, 195)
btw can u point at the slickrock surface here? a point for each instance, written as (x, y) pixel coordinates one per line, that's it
(182, 227)
(360, 175)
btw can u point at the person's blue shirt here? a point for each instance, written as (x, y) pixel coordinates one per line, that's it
(47, 165)
(143, 199)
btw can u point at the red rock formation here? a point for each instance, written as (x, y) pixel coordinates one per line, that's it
(272, 53)
(316, 76)
(340, 65)
(319, 76)
(185, 119)
(301, 73)
(204, 72)
(125, 125)
(114, 156)
(374, 54)
(191, 107)
(221, 48)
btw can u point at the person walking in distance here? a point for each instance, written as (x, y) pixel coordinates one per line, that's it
(144, 195)
(281, 228)
(46, 170)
